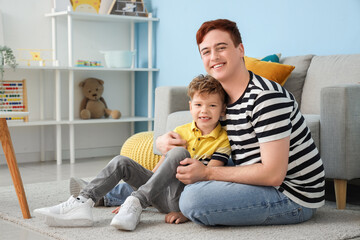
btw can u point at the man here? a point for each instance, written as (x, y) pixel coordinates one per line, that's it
(278, 176)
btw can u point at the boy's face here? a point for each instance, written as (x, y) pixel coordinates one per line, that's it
(206, 110)
(221, 58)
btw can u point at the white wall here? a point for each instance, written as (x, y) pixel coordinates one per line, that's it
(25, 26)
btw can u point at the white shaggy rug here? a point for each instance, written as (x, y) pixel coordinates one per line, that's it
(327, 224)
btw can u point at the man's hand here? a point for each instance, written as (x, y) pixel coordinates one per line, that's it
(191, 171)
(168, 141)
(175, 217)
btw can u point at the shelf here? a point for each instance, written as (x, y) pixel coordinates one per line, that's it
(86, 68)
(4, 114)
(110, 120)
(101, 17)
(32, 123)
(104, 19)
(77, 121)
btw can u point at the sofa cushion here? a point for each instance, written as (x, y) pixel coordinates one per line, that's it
(177, 119)
(313, 123)
(325, 71)
(295, 82)
(273, 71)
(168, 99)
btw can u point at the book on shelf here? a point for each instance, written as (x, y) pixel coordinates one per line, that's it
(106, 6)
(129, 8)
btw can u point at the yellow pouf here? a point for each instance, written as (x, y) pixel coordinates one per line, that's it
(139, 148)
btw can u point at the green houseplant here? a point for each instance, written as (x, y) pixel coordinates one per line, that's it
(7, 58)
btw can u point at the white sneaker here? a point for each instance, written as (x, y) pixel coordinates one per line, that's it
(76, 185)
(72, 213)
(128, 216)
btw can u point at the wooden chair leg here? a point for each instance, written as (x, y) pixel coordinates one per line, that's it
(340, 193)
(13, 167)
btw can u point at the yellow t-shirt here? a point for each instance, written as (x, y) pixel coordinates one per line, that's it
(204, 148)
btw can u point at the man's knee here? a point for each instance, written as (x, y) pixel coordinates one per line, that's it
(192, 206)
(189, 200)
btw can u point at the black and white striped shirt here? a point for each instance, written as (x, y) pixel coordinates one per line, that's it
(267, 112)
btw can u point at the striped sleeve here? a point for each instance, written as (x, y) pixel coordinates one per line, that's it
(271, 116)
(223, 149)
(222, 153)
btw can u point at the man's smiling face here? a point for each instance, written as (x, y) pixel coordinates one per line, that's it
(220, 57)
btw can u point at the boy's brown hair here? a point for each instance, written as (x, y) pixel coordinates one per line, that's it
(206, 85)
(220, 24)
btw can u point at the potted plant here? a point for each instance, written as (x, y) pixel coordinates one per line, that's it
(6, 58)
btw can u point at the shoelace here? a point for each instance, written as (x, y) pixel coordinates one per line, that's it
(131, 208)
(68, 203)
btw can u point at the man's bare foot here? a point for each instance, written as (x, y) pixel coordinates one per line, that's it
(175, 217)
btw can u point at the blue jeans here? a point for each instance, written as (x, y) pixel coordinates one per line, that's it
(118, 195)
(225, 203)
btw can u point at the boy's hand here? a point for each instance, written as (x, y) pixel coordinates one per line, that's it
(168, 141)
(175, 217)
(116, 210)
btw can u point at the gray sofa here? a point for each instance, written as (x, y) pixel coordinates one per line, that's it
(327, 89)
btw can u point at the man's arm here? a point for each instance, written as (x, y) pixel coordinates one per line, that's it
(168, 141)
(215, 163)
(270, 172)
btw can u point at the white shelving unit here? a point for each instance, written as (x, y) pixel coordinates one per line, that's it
(70, 69)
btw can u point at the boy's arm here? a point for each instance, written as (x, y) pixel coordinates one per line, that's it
(215, 163)
(159, 163)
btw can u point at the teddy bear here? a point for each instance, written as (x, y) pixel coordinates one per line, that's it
(93, 105)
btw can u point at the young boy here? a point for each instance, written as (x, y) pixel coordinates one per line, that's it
(206, 142)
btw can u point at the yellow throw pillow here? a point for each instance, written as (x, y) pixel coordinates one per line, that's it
(273, 71)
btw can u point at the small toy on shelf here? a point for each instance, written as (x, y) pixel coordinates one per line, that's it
(129, 7)
(93, 104)
(41, 56)
(85, 63)
(89, 6)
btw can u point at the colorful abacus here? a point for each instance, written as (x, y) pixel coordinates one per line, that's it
(13, 97)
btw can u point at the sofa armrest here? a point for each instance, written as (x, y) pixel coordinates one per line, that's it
(168, 99)
(340, 131)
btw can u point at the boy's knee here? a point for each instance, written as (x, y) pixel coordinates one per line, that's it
(178, 153)
(120, 161)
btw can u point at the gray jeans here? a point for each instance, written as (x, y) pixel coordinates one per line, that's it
(160, 189)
